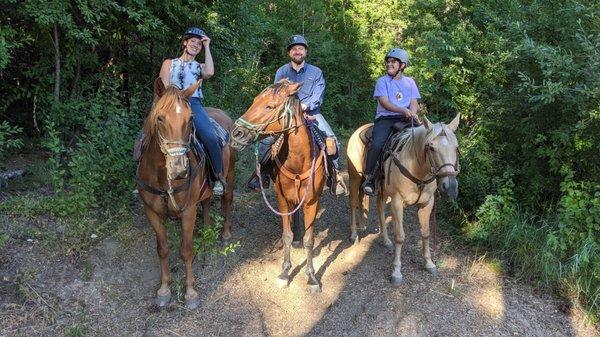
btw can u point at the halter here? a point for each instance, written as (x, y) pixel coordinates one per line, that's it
(181, 150)
(286, 113)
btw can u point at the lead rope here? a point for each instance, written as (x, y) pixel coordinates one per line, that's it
(310, 179)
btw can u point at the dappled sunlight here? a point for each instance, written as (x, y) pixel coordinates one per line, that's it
(295, 306)
(486, 292)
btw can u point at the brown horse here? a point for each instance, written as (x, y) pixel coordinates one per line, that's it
(424, 154)
(299, 169)
(172, 181)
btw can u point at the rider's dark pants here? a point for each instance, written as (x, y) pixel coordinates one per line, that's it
(382, 129)
(207, 135)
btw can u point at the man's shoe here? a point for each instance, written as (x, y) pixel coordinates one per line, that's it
(254, 183)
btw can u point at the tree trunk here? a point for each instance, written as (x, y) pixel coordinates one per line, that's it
(76, 80)
(56, 66)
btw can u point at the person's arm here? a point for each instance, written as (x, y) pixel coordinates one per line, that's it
(315, 100)
(386, 104)
(208, 68)
(165, 72)
(278, 75)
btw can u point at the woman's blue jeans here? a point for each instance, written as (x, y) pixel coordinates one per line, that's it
(207, 135)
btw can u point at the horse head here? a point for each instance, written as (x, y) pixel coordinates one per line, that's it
(170, 122)
(442, 153)
(271, 112)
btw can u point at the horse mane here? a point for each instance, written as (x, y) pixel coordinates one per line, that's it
(171, 98)
(422, 137)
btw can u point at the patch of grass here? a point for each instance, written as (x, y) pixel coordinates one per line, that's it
(75, 331)
(87, 270)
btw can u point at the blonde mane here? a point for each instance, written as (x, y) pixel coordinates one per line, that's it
(422, 136)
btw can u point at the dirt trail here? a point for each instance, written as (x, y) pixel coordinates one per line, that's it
(111, 292)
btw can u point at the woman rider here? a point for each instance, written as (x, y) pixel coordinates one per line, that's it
(185, 71)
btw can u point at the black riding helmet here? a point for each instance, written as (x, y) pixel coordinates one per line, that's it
(297, 40)
(193, 32)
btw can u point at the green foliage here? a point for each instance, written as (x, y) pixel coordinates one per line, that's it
(8, 138)
(207, 240)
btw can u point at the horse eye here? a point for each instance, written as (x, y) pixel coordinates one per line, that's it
(160, 119)
(431, 148)
(270, 107)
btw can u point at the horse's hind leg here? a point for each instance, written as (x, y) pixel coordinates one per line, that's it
(188, 222)
(310, 213)
(163, 295)
(397, 211)
(424, 213)
(357, 202)
(227, 198)
(381, 219)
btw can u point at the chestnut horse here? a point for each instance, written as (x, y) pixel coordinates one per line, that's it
(425, 154)
(299, 169)
(172, 181)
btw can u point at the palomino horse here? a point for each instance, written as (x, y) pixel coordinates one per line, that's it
(299, 169)
(171, 181)
(424, 154)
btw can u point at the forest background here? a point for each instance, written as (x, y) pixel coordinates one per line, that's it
(76, 83)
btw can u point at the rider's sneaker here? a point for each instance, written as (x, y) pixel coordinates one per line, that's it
(218, 188)
(368, 187)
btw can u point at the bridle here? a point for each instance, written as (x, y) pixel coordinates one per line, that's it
(285, 113)
(435, 171)
(181, 150)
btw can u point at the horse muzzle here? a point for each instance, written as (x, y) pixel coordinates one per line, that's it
(177, 167)
(240, 138)
(448, 186)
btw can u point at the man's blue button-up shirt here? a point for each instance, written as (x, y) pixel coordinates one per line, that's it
(312, 91)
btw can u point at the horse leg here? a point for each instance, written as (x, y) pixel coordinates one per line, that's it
(227, 209)
(382, 223)
(354, 203)
(397, 211)
(287, 237)
(163, 295)
(310, 213)
(188, 222)
(424, 214)
(364, 209)
(205, 212)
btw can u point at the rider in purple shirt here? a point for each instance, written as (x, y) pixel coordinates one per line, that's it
(396, 97)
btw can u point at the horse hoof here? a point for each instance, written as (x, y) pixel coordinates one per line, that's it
(354, 239)
(387, 244)
(281, 282)
(297, 244)
(314, 288)
(225, 242)
(193, 303)
(397, 280)
(162, 301)
(433, 271)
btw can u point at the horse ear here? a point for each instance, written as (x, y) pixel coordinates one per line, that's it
(159, 87)
(187, 93)
(294, 87)
(427, 123)
(454, 124)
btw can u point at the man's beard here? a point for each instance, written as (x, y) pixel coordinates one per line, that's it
(298, 59)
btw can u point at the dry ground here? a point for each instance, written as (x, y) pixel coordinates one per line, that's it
(109, 290)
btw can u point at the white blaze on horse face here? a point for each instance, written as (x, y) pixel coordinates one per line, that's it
(178, 109)
(444, 141)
